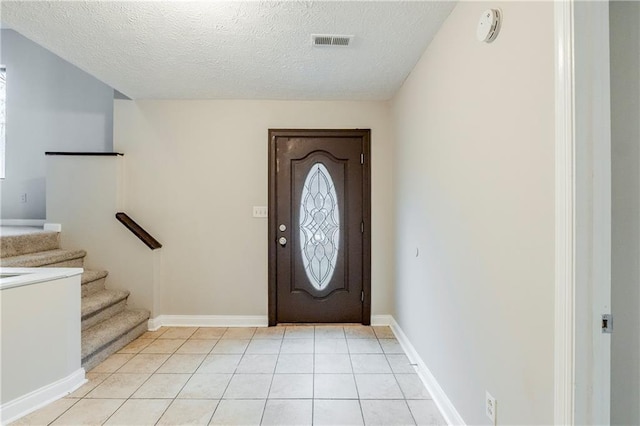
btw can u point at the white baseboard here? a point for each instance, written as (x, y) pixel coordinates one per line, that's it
(53, 227)
(231, 321)
(32, 401)
(22, 222)
(382, 320)
(208, 321)
(448, 411)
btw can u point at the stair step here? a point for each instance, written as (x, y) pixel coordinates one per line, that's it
(16, 245)
(101, 305)
(93, 281)
(48, 258)
(90, 275)
(111, 335)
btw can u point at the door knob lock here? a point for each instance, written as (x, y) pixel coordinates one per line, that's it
(282, 241)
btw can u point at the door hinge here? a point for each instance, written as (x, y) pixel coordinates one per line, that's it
(362, 296)
(362, 227)
(362, 158)
(607, 323)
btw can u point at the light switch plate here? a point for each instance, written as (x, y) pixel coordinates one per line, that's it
(260, 211)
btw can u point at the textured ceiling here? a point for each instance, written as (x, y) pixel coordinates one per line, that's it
(234, 50)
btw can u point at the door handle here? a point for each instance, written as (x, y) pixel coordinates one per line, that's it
(282, 241)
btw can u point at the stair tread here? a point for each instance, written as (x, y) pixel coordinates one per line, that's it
(103, 333)
(30, 242)
(101, 299)
(42, 258)
(90, 276)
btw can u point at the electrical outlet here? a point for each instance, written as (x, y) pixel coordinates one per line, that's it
(491, 407)
(260, 211)
(23, 197)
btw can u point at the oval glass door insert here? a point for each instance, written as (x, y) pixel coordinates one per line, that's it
(319, 226)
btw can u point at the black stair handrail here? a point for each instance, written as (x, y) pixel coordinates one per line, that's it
(138, 231)
(85, 154)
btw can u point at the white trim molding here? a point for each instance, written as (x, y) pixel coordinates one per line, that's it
(442, 401)
(231, 321)
(208, 321)
(20, 407)
(591, 212)
(564, 343)
(22, 222)
(582, 212)
(52, 227)
(382, 320)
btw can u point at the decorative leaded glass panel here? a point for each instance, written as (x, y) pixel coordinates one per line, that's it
(319, 226)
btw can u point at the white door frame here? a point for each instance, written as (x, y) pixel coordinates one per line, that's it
(583, 212)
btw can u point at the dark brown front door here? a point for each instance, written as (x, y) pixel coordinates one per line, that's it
(319, 208)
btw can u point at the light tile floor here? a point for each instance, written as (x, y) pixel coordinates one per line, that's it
(294, 375)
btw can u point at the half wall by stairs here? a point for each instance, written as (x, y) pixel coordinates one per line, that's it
(107, 323)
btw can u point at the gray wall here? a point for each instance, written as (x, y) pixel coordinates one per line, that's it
(625, 153)
(51, 106)
(474, 191)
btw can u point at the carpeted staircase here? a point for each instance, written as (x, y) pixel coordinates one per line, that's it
(107, 324)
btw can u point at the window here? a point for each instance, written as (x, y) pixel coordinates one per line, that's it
(3, 115)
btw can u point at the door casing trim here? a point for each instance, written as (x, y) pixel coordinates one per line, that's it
(582, 211)
(365, 134)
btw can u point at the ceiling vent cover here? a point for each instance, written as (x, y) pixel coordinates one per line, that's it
(331, 40)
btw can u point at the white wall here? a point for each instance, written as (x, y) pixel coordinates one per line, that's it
(51, 106)
(193, 171)
(40, 339)
(86, 210)
(625, 140)
(474, 183)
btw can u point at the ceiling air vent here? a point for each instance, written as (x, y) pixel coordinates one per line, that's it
(330, 40)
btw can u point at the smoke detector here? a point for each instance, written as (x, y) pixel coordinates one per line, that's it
(489, 25)
(325, 40)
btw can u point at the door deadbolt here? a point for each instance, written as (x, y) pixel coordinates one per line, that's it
(282, 241)
(283, 227)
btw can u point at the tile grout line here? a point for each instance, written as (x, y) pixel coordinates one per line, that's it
(136, 389)
(313, 378)
(273, 375)
(151, 375)
(225, 389)
(61, 414)
(187, 381)
(115, 411)
(355, 383)
(235, 371)
(415, 422)
(84, 397)
(402, 392)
